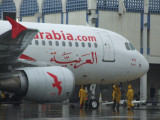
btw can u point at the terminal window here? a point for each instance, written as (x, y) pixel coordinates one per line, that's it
(29, 8)
(76, 5)
(7, 6)
(154, 6)
(52, 6)
(111, 5)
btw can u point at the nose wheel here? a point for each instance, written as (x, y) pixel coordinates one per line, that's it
(94, 104)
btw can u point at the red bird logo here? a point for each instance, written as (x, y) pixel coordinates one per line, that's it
(57, 83)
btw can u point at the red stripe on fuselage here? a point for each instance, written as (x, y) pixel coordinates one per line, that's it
(26, 57)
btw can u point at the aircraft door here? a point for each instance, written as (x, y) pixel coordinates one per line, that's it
(108, 48)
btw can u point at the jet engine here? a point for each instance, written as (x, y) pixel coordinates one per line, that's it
(41, 84)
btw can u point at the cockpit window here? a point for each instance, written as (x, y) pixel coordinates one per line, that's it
(132, 47)
(127, 46)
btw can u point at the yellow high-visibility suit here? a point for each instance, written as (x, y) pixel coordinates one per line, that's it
(117, 94)
(82, 96)
(113, 94)
(3, 95)
(130, 97)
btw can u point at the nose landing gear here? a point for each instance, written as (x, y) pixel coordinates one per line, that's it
(92, 102)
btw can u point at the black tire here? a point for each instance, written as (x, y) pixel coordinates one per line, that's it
(94, 104)
(124, 104)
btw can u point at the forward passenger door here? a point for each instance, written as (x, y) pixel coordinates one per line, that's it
(108, 48)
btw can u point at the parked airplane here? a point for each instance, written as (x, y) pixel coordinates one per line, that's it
(44, 62)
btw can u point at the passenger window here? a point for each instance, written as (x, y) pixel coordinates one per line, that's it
(63, 43)
(76, 44)
(50, 43)
(36, 42)
(83, 45)
(95, 45)
(127, 46)
(132, 47)
(57, 43)
(70, 44)
(43, 42)
(89, 45)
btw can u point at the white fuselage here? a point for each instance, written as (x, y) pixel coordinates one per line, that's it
(93, 55)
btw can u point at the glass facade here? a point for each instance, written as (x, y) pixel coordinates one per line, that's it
(7, 6)
(154, 6)
(134, 5)
(111, 5)
(29, 8)
(52, 6)
(76, 5)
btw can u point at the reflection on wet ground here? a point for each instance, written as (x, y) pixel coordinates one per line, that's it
(65, 112)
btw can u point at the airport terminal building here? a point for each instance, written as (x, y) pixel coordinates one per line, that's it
(137, 20)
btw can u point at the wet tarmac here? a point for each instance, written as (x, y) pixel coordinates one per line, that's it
(30, 111)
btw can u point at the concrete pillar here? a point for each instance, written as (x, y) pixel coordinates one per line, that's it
(64, 14)
(143, 80)
(145, 25)
(121, 7)
(143, 88)
(92, 16)
(39, 15)
(1, 2)
(18, 4)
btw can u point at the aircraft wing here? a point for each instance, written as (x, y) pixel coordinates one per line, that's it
(14, 42)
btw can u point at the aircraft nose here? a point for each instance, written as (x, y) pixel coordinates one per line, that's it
(144, 65)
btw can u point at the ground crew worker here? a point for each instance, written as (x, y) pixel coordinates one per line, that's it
(3, 96)
(82, 96)
(117, 96)
(113, 95)
(130, 96)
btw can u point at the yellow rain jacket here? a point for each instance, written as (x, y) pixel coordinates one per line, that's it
(82, 95)
(3, 95)
(130, 93)
(113, 94)
(130, 97)
(117, 94)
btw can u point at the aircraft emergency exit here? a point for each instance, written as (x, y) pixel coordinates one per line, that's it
(43, 62)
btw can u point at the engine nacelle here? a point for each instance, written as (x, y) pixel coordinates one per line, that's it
(49, 84)
(42, 84)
